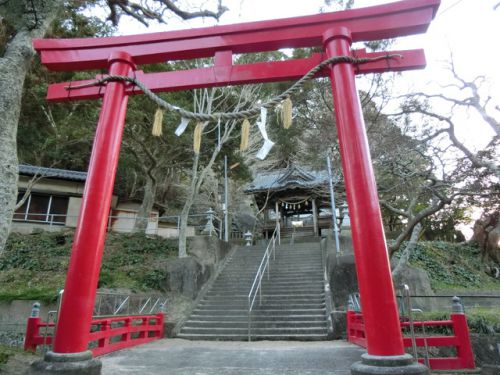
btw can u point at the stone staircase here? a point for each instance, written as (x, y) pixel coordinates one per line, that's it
(293, 299)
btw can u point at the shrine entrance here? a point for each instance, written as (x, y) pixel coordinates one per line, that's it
(296, 197)
(333, 33)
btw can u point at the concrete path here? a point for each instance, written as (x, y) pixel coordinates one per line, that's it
(182, 357)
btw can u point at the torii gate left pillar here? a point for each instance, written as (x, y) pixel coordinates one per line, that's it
(335, 31)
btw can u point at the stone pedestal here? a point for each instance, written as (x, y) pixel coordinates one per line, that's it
(66, 364)
(388, 365)
(490, 370)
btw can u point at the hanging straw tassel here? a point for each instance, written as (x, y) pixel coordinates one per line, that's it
(197, 137)
(286, 113)
(157, 130)
(245, 135)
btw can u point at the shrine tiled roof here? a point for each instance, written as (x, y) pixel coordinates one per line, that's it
(291, 177)
(63, 174)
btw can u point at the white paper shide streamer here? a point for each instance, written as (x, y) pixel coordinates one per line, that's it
(268, 144)
(182, 126)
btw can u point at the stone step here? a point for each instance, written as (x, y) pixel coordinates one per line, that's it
(254, 337)
(281, 257)
(261, 312)
(271, 297)
(279, 253)
(281, 280)
(264, 294)
(273, 280)
(318, 280)
(273, 305)
(258, 331)
(244, 306)
(257, 317)
(266, 290)
(251, 267)
(270, 289)
(243, 301)
(296, 276)
(257, 324)
(275, 273)
(266, 297)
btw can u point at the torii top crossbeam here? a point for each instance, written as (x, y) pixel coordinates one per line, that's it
(372, 23)
(333, 33)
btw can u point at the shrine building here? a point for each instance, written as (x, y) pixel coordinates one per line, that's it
(297, 197)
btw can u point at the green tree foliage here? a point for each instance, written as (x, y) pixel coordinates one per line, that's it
(59, 134)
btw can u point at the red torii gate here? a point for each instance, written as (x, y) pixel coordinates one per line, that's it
(335, 32)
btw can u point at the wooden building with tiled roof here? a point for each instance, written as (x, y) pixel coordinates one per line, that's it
(296, 197)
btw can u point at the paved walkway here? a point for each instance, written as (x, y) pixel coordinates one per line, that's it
(182, 357)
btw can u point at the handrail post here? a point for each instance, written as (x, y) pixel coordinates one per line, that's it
(267, 266)
(249, 319)
(407, 302)
(274, 248)
(260, 292)
(279, 234)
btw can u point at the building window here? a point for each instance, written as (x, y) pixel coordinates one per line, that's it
(43, 208)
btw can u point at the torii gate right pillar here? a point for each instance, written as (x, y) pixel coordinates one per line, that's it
(385, 348)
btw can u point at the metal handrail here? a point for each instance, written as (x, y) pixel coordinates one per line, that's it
(145, 305)
(263, 267)
(121, 305)
(409, 310)
(424, 338)
(354, 302)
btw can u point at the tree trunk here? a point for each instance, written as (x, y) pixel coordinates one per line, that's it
(187, 207)
(13, 68)
(194, 188)
(14, 65)
(142, 219)
(405, 256)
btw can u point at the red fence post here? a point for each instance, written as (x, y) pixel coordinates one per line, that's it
(461, 331)
(127, 324)
(348, 324)
(32, 330)
(104, 326)
(160, 321)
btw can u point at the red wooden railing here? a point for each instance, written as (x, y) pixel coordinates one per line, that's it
(107, 334)
(33, 337)
(460, 339)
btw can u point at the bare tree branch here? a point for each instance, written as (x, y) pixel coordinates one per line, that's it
(31, 183)
(393, 247)
(143, 12)
(450, 130)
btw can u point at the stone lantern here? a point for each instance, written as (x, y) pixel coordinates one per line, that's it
(248, 237)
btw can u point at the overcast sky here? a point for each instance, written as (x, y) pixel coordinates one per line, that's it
(466, 29)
